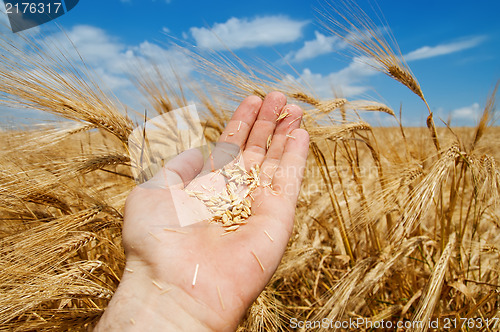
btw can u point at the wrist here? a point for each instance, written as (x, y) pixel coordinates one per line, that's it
(142, 303)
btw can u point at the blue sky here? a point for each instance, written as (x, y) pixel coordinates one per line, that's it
(452, 47)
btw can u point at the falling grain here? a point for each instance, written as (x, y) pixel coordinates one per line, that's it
(269, 140)
(175, 230)
(160, 287)
(269, 236)
(220, 299)
(258, 261)
(227, 233)
(165, 291)
(132, 321)
(195, 274)
(267, 185)
(290, 123)
(154, 236)
(269, 176)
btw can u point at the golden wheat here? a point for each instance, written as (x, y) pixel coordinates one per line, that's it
(386, 227)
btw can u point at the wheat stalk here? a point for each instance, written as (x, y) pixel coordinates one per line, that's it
(356, 29)
(431, 297)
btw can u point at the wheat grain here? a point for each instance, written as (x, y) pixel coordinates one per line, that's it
(306, 98)
(283, 115)
(228, 209)
(366, 105)
(227, 233)
(269, 141)
(232, 228)
(51, 196)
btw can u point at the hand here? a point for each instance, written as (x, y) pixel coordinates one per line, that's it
(194, 278)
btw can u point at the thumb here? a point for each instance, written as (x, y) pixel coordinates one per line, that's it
(178, 172)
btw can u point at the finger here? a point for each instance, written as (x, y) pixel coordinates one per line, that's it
(179, 171)
(273, 210)
(279, 199)
(290, 172)
(234, 136)
(291, 120)
(256, 147)
(242, 121)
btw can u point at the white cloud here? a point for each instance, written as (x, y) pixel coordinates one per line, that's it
(442, 49)
(471, 112)
(347, 81)
(93, 43)
(238, 33)
(167, 60)
(101, 50)
(105, 55)
(112, 62)
(326, 44)
(316, 47)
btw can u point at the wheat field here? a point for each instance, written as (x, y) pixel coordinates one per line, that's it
(396, 224)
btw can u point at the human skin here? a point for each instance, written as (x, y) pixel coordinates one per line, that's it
(158, 290)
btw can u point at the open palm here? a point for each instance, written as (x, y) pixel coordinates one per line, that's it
(216, 275)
